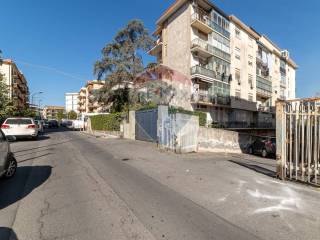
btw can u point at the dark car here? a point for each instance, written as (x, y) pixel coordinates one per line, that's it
(265, 146)
(8, 163)
(53, 124)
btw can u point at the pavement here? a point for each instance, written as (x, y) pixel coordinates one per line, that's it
(71, 185)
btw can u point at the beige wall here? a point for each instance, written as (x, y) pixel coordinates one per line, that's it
(177, 40)
(248, 48)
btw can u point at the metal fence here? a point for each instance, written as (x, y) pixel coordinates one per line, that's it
(298, 140)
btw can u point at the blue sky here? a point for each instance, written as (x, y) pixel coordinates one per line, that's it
(55, 43)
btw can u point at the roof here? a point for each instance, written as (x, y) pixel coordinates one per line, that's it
(179, 3)
(244, 27)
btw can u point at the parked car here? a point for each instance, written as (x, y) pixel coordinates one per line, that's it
(8, 163)
(20, 128)
(45, 123)
(53, 124)
(77, 125)
(264, 146)
(40, 125)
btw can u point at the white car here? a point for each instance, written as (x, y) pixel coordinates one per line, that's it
(8, 163)
(20, 128)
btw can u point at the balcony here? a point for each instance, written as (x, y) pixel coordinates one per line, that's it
(209, 75)
(207, 50)
(204, 97)
(201, 47)
(202, 22)
(157, 48)
(219, 29)
(264, 87)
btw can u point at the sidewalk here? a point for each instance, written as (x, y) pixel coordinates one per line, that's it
(238, 187)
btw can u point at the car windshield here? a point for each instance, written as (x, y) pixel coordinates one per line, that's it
(18, 121)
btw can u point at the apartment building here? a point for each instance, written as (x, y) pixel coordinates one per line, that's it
(86, 99)
(51, 112)
(237, 73)
(17, 83)
(71, 102)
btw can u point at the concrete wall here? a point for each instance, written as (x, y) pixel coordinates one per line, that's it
(218, 140)
(129, 126)
(177, 40)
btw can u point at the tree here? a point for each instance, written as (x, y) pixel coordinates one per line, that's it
(72, 115)
(6, 106)
(121, 62)
(60, 115)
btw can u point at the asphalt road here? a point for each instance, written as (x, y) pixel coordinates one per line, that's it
(69, 186)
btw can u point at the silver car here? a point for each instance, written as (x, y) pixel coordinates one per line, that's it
(20, 128)
(8, 163)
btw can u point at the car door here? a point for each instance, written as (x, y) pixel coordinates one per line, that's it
(3, 151)
(257, 146)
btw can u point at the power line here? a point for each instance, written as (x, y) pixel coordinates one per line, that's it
(50, 69)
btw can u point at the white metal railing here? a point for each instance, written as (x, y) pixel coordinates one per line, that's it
(298, 140)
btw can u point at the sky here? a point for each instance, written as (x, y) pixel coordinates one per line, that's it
(56, 43)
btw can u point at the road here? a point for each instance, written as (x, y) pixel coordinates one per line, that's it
(69, 187)
(73, 186)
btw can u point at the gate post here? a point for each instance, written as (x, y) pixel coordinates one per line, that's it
(280, 139)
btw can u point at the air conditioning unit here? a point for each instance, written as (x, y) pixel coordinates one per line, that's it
(285, 54)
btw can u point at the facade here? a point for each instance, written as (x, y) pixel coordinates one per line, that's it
(17, 83)
(71, 103)
(51, 112)
(237, 74)
(86, 101)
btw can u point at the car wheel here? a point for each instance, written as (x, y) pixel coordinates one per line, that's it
(12, 168)
(264, 153)
(35, 138)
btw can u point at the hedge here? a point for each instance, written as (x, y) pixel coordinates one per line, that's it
(110, 122)
(202, 115)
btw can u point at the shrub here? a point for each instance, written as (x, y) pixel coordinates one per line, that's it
(202, 115)
(110, 122)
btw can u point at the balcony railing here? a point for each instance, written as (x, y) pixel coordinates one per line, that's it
(219, 29)
(209, 73)
(206, 97)
(211, 49)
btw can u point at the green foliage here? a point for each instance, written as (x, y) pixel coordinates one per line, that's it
(60, 115)
(202, 115)
(120, 64)
(110, 122)
(72, 115)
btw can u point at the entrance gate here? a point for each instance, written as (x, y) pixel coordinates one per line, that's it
(298, 140)
(146, 125)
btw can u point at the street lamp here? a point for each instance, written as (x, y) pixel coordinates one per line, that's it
(33, 94)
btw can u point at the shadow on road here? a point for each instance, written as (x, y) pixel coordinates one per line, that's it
(270, 172)
(21, 184)
(7, 234)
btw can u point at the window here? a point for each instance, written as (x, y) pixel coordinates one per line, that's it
(238, 95)
(237, 32)
(238, 76)
(250, 63)
(250, 42)
(250, 80)
(250, 97)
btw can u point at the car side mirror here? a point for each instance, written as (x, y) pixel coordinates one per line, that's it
(11, 138)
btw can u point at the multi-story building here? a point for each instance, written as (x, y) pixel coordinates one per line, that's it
(237, 73)
(86, 100)
(17, 83)
(71, 102)
(51, 112)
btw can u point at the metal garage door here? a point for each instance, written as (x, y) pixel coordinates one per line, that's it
(146, 125)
